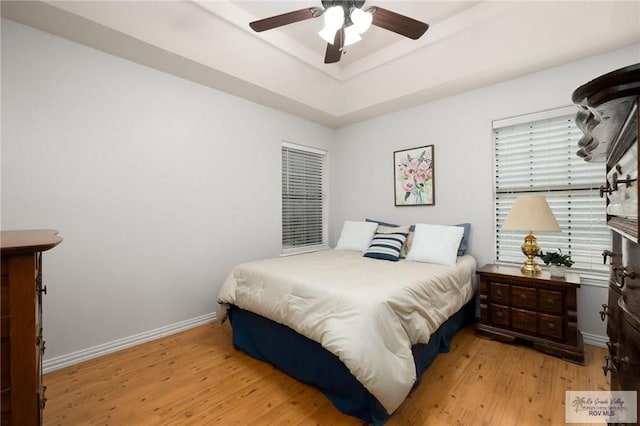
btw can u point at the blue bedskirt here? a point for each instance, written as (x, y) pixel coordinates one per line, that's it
(310, 363)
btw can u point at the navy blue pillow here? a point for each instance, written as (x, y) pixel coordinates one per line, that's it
(464, 243)
(412, 228)
(379, 222)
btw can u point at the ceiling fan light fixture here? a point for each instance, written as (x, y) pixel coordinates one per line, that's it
(351, 35)
(361, 20)
(328, 34)
(333, 20)
(334, 17)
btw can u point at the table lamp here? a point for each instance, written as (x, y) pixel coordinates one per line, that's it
(531, 213)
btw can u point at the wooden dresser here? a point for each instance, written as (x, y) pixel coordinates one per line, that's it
(22, 344)
(610, 120)
(539, 308)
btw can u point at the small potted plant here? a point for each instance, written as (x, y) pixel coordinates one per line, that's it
(558, 262)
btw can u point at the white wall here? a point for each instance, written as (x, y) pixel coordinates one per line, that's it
(158, 185)
(459, 127)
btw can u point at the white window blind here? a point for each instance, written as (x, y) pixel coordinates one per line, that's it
(304, 218)
(537, 155)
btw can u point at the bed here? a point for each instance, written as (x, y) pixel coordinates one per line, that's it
(360, 329)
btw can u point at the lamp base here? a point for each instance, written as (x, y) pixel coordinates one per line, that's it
(530, 268)
(531, 250)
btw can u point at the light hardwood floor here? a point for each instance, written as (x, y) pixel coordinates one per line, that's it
(197, 378)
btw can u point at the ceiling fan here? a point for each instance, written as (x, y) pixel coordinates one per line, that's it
(345, 21)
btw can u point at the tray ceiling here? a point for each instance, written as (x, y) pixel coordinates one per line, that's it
(468, 45)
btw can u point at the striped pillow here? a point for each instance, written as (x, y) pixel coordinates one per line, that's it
(408, 230)
(386, 246)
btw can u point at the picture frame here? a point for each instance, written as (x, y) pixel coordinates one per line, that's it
(414, 176)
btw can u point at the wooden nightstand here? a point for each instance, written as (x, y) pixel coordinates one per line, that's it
(541, 309)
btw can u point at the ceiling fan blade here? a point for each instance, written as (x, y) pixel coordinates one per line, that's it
(285, 19)
(397, 23)
(334, 51)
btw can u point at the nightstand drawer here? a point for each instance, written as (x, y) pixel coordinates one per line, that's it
(500, 315)
(499, 293)
(551, 301)
(551, 326)
(523, 297)
(524, 320)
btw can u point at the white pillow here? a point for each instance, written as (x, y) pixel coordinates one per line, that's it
(436, 244)
(356, 235)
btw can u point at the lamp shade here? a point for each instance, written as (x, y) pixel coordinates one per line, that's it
(531, 213)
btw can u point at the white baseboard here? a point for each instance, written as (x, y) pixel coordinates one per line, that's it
(62, 361)
(595, 340)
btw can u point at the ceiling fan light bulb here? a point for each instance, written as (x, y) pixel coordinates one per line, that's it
(351, 36)
(334, 17)
(328, 34)
(361, 20)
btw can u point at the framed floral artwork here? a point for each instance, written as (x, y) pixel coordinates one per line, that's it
(413, 177)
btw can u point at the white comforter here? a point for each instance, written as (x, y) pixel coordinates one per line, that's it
(365, 311)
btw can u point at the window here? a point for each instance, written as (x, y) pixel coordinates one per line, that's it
(304, 201)
(536, 154)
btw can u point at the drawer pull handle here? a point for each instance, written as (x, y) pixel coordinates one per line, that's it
(43, 396)
(499, 293)
(622, 273)
(524, 320)
(605, 190)
(627, 180)
(523, 298)
(38, 336)
(43, 289)
(608, 189)
(604, 312)
(629, 273)
(551, 303)
(499, 315)
(616, 361)
(551, 326)
(612, 363)
(606, 367)
(606, 254)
